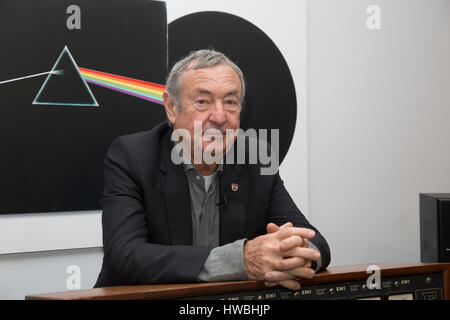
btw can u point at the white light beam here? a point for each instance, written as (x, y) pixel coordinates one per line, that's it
(58, 72)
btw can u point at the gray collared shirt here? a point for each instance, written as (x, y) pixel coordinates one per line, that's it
(224, 262)
(204, 208)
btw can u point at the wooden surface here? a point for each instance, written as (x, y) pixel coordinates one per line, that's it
(174, 291)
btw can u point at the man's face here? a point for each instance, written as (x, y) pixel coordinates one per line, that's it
(210, 96)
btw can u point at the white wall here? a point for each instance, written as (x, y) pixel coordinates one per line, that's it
(379, 112)
(47, 271)
(36, 250)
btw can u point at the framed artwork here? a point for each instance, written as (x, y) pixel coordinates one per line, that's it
(73, 77)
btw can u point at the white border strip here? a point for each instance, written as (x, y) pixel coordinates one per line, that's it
(21, 233)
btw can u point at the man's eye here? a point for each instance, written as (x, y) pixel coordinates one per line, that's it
(202, 101)
(231, 103)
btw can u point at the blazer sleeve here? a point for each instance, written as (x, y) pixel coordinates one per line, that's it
(283, 209)
(131, 258)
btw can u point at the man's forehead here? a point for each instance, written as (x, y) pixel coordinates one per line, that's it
(201, 80)
(211, 72)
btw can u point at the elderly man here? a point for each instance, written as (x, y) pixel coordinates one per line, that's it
(168, 222)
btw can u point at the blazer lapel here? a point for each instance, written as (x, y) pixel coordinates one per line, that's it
(177, 198)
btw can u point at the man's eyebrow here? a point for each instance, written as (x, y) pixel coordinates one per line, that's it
(203, 91)
(232, 93)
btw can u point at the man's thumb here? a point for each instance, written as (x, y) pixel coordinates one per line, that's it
(272, 227)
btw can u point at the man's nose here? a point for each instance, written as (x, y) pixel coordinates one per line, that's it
(218, 115)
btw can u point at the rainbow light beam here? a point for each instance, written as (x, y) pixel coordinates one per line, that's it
(141, 89)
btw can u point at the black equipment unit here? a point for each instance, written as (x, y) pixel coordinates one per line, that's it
(435, 227)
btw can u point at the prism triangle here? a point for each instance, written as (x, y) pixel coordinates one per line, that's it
(64, 85)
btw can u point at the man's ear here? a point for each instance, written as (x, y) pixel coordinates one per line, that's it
(169, 105)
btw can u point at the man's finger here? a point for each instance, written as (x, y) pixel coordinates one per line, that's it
(290, 263)
(272, 227)
(291, 242)
(302, 272)
(286, 232)
(287, 224)
(305, 243)
(305, 253)
(308, 264)
(277, 276)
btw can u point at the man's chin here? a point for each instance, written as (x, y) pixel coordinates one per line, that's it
(208, 146)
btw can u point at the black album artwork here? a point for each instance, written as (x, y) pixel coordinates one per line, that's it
(74, 75)
(270, 101)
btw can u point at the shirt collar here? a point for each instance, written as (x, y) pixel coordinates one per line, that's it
(187, 164)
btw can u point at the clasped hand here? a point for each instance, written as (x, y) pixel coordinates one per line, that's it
(281, 256)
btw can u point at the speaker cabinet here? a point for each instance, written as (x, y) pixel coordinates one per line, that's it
(435, 227)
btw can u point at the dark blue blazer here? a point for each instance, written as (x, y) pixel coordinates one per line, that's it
(147, 226)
